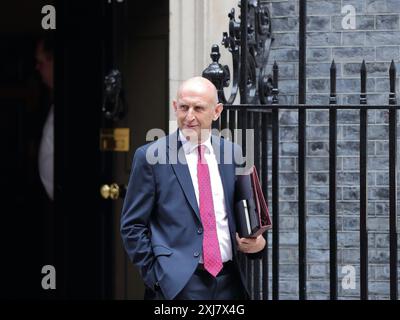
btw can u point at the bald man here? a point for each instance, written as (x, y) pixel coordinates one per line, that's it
(177, 222)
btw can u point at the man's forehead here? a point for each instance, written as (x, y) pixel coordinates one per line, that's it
(192, 100)
(198, 82)
(199, 93)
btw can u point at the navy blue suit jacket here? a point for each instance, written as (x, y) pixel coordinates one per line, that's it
(160, 224)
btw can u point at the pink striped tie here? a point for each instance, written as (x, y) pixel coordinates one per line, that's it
(211, 252)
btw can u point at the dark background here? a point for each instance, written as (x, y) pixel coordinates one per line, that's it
(75, 233)
(24, 103)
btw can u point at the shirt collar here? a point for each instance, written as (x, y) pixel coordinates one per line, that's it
(189, 147)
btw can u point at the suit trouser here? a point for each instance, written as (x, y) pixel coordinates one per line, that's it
(203, 286)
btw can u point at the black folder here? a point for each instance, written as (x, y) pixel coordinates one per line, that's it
(251, 210)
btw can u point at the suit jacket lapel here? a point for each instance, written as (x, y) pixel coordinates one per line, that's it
(182, 171)
(183, 175)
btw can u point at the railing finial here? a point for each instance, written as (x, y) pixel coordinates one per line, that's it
(252, 59)
(275, 77)
(392, 78)
(332, 98)
(363, 72)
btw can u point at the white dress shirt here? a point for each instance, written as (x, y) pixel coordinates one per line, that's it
(221, 216)
(46, 154)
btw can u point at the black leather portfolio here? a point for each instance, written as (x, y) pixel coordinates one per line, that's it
(251, 210)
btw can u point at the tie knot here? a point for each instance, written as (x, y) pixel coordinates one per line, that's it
(201, 151)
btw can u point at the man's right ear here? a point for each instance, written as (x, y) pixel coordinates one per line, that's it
(175, 105)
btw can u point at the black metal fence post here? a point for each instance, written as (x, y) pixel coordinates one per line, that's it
(275, 185)
(252, 279)
(257, 163)
(302, 151)
(393, 182)
(332, 185)
(264, 178)
(243, 89)
(363, 185)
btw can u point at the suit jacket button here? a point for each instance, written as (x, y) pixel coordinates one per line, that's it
(196, 254)
(157, 286)
(200, 230)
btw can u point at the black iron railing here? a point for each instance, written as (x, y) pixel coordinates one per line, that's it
(249, 41)
(259, 118)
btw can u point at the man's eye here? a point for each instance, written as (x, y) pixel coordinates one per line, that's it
(183, 108)
(199, 109)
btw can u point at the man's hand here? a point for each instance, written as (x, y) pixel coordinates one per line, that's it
(250, 245)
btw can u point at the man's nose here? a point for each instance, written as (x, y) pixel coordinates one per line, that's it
(190, 114)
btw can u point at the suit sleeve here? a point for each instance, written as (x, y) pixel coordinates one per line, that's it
(138, 205)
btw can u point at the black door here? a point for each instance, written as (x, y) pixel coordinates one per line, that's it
(93, 38)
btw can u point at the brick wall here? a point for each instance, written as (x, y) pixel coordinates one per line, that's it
(377, 40)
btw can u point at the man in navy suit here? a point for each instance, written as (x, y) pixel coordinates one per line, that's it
(177, 222)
